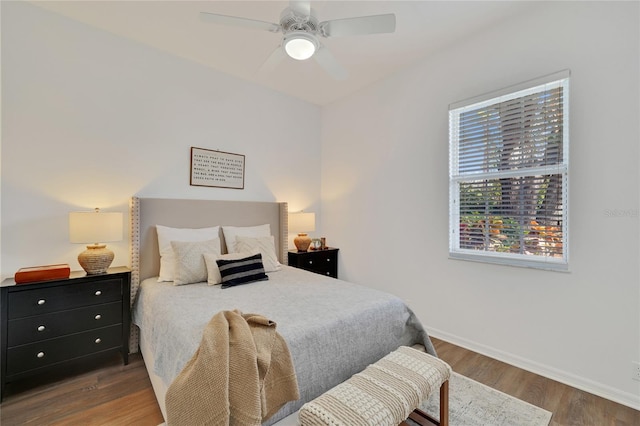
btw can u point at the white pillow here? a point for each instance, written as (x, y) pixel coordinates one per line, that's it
(213, 272)
(231, 232)
(189, 266)
(265, 246)
(167, 234)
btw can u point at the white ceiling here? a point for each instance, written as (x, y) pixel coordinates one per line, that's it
(422, 27)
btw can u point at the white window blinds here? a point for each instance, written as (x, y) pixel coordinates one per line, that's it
(509, 175)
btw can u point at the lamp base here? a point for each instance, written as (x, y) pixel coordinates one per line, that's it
(96, 259)
(302, 242)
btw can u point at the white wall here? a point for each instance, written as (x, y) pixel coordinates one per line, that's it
(90, 119)
(385, 197)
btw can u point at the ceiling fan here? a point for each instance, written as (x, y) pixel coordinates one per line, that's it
(301, 33)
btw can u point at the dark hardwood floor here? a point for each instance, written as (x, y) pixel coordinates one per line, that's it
(122, 395)
(569, 406)
(114, 394)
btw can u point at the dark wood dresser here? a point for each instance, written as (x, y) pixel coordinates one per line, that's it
(324, 262)
(48, 325)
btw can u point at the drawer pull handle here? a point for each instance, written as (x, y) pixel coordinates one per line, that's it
(98, 317)
(98, 340)
(41, 302)
(328, 260)
(41, 328)
(328, 273)
(40, 355)
(98, 293)
(311, 262)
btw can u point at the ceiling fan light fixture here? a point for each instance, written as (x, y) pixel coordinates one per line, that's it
(300, 45)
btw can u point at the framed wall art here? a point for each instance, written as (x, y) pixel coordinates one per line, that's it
(216, 168)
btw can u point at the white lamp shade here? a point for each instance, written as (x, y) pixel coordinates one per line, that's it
(95, 227)
(302, 222)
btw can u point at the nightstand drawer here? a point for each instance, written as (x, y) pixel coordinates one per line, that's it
(39, 301)
(324, 266)
(48, 326)
(41, 354)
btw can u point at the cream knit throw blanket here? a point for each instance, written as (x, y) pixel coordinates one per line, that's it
(384, 394)
(241, 374)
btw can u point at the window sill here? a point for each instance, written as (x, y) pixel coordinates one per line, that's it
(555, 266)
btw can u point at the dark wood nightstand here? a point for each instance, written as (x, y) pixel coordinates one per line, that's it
(324, 262)
(49, 325)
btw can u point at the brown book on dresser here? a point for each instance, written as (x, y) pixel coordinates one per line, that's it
(42, 273)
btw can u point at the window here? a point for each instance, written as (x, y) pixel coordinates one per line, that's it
(508, 175)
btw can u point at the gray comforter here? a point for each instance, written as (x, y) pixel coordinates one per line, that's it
(333, 328)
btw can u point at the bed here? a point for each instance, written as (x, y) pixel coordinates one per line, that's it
(333, 328)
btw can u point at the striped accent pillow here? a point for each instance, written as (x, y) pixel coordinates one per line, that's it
(241, 271)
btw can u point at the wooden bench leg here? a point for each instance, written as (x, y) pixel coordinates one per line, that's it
(420, 416)
(444, 404)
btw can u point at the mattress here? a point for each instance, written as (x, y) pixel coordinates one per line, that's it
(333, 328)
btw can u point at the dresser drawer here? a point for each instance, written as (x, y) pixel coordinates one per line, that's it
(56, 324)
(39, 301)
(48, 352)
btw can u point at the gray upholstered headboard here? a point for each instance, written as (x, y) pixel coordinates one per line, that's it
(180, 213)
(146, 213)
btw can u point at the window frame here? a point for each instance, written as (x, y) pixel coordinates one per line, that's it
(456, 178)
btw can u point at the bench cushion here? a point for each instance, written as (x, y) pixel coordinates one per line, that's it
(385, 393)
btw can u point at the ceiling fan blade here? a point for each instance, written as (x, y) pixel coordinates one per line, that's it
(273, 60)
(375, 24)
(327, 61)
(301, 7)
(234, 21)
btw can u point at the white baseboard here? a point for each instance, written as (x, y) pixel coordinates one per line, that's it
(587, 385)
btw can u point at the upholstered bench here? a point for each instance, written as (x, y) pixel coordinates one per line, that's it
(384, 394)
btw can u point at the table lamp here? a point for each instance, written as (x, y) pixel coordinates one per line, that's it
(95, 227)
(302, 223)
